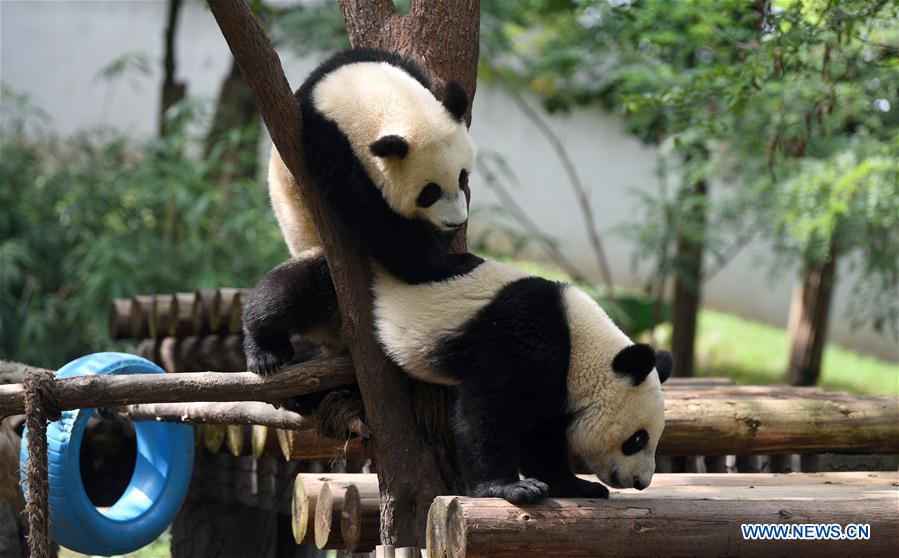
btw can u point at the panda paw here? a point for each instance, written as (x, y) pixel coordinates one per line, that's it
(265, 362)
(580, 488)
(523, 491)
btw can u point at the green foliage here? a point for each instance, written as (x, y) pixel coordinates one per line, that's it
(99, 216)
(792, 104)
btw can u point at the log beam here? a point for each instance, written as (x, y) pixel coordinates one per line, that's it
(775, 425)
(683, 515)
(129, 389)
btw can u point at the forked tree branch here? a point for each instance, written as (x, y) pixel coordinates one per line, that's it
(406, 464)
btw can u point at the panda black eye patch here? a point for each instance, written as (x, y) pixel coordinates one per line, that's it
(635, 443)
(463, 178)
(429, 195)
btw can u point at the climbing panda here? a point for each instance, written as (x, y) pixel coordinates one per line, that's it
(539, 367)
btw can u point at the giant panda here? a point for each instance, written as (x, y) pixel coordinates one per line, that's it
(539, 367)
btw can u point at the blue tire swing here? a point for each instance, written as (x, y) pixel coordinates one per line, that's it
(162, 472)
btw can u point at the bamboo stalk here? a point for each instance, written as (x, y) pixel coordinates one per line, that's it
(127, 389)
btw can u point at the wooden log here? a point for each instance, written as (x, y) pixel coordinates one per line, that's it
(236, 413)
(213, 437)
(222, 307)
(767, 425)
(185, 315)
(205, 302)
(360, 517)
(745, 392)
(163, 312)
(307, 445)
(142, 316)
(235, 313)
(691, 515)
(263, 442)
(690, 383)
(436, 530)
(127, 389)
(328, 509)
(119, 317)
(305, 498)
(285, 439)
(236, 437)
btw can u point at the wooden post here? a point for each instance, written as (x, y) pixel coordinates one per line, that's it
(809, 313)
(409, 468)
(360, 519)
(436, 531)
(235, 438)
(328, 508)
(306, 489)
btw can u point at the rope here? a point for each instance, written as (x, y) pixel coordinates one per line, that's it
(41, 407)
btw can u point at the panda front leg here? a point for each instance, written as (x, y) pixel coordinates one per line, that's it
(297, 296)
(488, 438)
(544, 455)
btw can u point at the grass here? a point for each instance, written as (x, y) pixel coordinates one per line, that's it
(751, 352)
(756, 353)
(156, 549)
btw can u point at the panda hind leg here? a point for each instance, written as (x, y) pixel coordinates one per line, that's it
(295, 297)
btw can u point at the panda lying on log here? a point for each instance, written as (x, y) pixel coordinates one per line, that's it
(539, 366)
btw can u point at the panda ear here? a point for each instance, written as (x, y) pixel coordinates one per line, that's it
(387, 146)
(455, 100)
(664, 364)
(635, 361)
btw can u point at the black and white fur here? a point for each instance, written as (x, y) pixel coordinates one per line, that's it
(540, 368)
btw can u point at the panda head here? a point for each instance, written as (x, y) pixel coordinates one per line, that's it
(415, 149)
(618, 435)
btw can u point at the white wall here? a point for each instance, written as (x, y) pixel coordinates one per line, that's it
(54, 50)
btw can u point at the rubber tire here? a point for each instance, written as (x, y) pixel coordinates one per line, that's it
(163, 467)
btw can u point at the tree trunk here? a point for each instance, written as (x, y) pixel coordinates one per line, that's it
(235, 111)
(409, 466)
(687, 288)
(809, 312)
(172, 90)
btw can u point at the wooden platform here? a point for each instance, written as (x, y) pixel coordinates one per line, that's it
(679, 515)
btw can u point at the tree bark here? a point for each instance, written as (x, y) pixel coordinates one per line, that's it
(687, 289)
(409, 468)
(111, 390)
(680, 515)
(809, 314)
(172, 90)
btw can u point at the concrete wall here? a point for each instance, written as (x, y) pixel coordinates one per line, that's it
(54, 50)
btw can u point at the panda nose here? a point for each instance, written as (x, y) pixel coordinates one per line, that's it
(637, 484)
